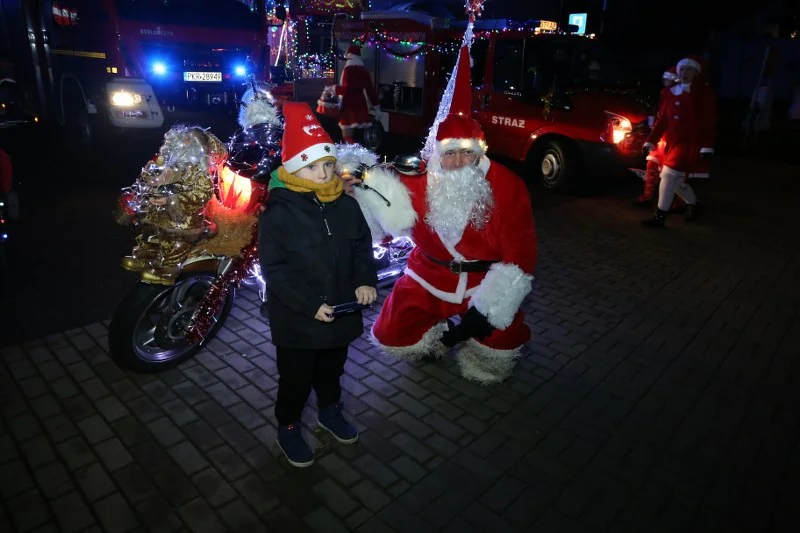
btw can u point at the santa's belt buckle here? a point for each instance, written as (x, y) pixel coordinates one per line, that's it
(456, 266)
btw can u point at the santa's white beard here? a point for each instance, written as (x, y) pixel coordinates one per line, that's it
(457, 198)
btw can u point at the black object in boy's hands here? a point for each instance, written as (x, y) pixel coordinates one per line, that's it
(349, 307)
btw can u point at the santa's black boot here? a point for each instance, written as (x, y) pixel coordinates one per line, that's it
(657, 220)
(692, 212)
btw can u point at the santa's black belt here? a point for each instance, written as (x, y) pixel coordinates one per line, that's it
(463, 266)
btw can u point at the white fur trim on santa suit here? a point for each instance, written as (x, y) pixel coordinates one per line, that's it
(313, 153)
(476, 145)
(429, 345)
(352, 60)
(396, 219)
(484, 365)
(460, 294)
(688, 62)
(501, 292)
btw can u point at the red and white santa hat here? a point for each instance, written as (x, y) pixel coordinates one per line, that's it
(304, 138)
(694, 62)
(459, 130)
(354, 50)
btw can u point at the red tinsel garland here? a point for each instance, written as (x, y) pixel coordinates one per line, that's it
(213, 302)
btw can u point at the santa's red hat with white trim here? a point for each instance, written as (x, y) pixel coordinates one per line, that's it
(459, 131)
(304, 139)
(354, 50)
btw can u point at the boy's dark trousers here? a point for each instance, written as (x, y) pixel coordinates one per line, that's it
(300, 371)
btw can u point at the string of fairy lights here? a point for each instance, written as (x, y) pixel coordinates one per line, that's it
(398, 48)
(296, 36)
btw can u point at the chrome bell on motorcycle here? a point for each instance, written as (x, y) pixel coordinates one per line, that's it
(411, 165)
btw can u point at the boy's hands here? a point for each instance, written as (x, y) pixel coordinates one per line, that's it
(348, 181)
(366, 295)
(323, 313)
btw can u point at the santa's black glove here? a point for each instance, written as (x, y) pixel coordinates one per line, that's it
(706, 155)
(476, 324)
(454, 334)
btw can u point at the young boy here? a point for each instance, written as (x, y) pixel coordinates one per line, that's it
(316, 252)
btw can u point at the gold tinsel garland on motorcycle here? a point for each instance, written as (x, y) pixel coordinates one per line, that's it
(168, 203)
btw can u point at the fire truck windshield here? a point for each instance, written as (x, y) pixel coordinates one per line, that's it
(230, 14)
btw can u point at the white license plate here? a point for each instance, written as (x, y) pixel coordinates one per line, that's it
(202, 76)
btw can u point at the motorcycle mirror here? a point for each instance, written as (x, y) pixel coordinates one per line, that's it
(409, 164)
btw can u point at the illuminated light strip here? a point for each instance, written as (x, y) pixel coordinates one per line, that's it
(78, 53)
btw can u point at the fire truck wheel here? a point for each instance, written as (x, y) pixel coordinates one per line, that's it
(78, 127)
(557, 163)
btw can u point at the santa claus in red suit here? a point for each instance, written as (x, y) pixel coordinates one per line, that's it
(685, 122)
(654, 158)
(472, 222)
(355, 87)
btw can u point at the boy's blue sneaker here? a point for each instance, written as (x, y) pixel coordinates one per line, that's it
(294, 447)
(330, 419)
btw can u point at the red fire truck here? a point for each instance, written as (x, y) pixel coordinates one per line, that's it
(550, 99)
(125, 62)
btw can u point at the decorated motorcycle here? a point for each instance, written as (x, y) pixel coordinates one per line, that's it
(196, 206)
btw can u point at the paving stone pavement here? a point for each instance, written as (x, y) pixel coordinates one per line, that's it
(659, 392)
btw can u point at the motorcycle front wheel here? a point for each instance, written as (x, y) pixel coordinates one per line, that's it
(146, 333)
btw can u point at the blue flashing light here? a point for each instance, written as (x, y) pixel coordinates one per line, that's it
(159, 68)
(240, 70)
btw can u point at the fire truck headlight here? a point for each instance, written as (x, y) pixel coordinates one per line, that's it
(125, 99)
(240, 70)
(159, 68)
(620, 127)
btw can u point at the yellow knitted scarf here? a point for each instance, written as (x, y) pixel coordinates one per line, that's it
(326, 192)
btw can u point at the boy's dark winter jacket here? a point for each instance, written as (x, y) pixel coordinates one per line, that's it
(312, 253)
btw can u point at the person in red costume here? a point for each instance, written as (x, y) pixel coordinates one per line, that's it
(6, 180)
(472, 222)
(654, 158)
(355, 109)
(686, 123)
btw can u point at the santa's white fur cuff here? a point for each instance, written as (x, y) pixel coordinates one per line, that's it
(501, 292)
(484, 365)
(429, 345)
(396, 219)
